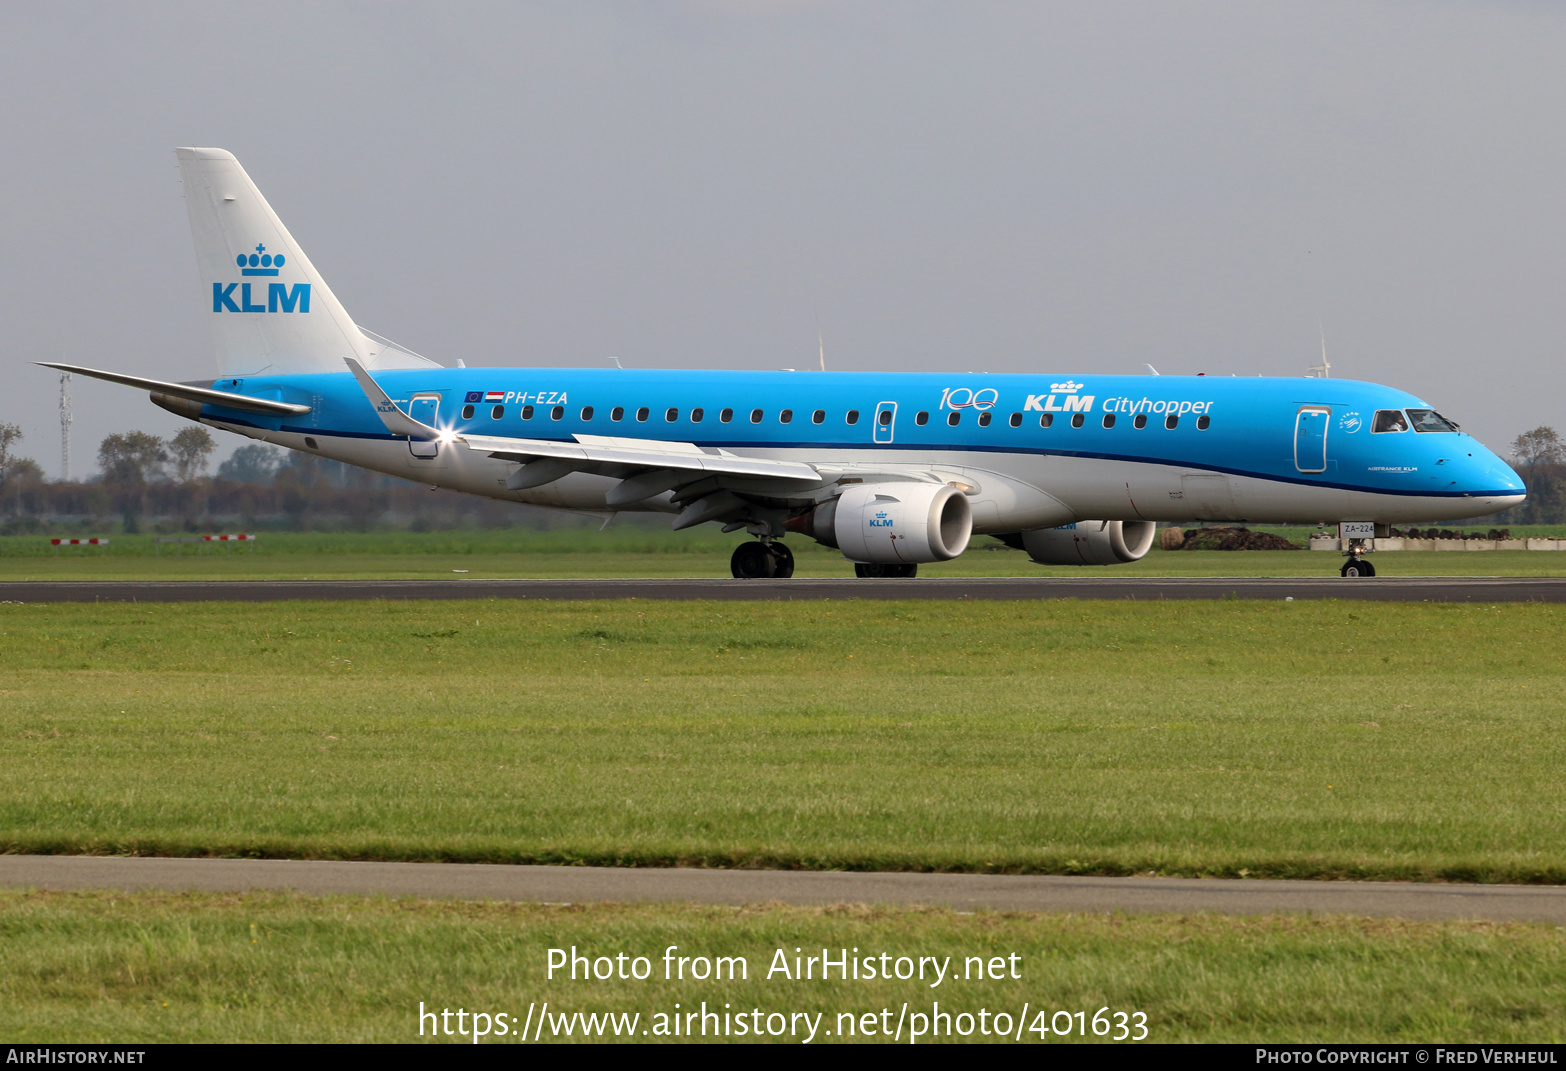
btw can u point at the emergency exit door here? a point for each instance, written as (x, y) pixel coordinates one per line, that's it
(885, 425)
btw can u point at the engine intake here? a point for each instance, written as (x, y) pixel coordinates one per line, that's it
(1090, 543)
(892, 522)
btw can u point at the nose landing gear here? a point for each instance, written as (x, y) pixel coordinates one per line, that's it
(1356, 566)
(762, 561)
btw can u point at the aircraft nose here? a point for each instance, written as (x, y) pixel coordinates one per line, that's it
(1488, 474)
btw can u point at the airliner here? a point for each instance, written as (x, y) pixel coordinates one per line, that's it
(892, 469)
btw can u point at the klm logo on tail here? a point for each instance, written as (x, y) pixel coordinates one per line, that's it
(280, 297)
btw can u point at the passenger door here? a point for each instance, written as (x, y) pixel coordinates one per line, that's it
(1310, 438)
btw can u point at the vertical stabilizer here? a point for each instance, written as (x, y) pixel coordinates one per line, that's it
(269, 310)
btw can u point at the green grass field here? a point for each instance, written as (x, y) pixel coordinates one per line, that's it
(1287, 739)
(274, 968)
(643, 551)
(1392, 741)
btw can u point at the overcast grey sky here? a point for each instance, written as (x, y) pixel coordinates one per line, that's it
(979, 186)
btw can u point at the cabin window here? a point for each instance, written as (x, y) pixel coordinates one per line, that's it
(1203, 422)
(1016, 420)
(921, 418)
(755, 416)
(527, 412)
(1171, 422)
(671, 415)
(557, 412)
(641, 414)
(1046, 419)
(726, 416)
(617, 413)
(587, 412)
(884, 417)
(467, 412)
(953, 419)
(1389, 420)
(497, 412)
(1139, 421)
(786, 416)
(696, 415)
(818, 416)
(851, 417)
(984, 420)
(1077, 420)
(1109, 420)
(1429, 420)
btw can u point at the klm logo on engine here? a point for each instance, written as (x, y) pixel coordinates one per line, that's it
(881, 520)
(280, 297)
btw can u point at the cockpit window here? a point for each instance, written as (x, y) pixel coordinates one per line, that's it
(1430, 420)
(1389, 420)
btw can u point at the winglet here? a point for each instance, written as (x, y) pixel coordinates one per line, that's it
(397, 422)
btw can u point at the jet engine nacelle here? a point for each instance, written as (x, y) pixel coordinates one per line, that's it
(1090, 543)
(894, 522)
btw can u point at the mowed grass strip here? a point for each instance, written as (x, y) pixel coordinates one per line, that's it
(1387, 741)
(149, 967)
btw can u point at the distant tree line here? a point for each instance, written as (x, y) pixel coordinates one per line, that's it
(151, 484)
(1539, 456)
(162, 484)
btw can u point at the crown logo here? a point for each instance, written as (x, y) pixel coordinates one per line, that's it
(259, 263)
(1067, 386)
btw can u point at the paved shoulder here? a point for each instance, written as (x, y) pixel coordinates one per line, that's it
(1397, 589)
(1500, 903)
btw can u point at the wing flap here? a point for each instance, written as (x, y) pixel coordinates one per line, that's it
(592, 451)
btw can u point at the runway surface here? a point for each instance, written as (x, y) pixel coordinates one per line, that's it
(1395, 589)
(967, 892)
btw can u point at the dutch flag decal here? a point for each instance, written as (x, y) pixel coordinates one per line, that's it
(495, 396)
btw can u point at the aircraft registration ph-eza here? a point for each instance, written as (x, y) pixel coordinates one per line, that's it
(892, 469)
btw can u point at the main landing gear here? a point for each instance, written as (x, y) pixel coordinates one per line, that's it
(773, 561)
(878, 570)
(1357, 566)
(762, 561)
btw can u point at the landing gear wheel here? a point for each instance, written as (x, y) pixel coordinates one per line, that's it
(784, 559)
(758, 561)
(1359, 568)
(879, 571)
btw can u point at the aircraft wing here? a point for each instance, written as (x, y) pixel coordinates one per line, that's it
(644, 467)
(200, 395)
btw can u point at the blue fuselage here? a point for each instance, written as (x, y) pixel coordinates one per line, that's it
(1302, 433)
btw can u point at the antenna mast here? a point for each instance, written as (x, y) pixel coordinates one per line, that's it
(1324, 369)
(65, 426)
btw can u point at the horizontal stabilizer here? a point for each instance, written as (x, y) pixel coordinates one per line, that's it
(202, 395)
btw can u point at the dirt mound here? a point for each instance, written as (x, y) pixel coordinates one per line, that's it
(1447, 533)
(1233, 539)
